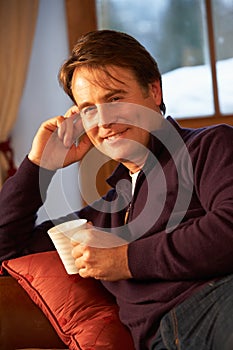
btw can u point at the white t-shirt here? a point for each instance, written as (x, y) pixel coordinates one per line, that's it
(134, 179)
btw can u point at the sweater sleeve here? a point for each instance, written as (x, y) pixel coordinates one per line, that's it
(201, 247)
(20, 198)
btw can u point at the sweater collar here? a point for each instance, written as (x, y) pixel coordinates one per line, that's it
(158, 140)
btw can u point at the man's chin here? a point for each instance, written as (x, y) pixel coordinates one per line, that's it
(113, 154)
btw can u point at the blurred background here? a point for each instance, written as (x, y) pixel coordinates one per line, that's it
(192, 42)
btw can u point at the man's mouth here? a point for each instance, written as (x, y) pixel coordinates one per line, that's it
(115, 136)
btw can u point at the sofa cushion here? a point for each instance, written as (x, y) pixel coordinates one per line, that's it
(83, 313)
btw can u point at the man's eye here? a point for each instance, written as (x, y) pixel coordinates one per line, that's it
(115, 99)
(89, 110)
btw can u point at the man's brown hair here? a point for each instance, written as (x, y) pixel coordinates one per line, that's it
(103, 48)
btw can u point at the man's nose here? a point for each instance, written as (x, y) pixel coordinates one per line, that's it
(106, 115)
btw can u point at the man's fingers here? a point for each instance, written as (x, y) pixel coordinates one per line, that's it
(71, 111)
(66, 132)
(70, 129)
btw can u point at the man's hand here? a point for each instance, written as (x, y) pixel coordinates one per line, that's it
(54, 145)
(101, 255)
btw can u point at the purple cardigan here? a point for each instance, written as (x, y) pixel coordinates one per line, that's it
(180, 227)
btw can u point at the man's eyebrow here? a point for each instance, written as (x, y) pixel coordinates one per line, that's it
(105, 97)
(114, 92)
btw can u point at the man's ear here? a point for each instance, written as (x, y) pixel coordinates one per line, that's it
(156, 92)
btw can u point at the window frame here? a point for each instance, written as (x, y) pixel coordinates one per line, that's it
(87, 9)
(217, 117)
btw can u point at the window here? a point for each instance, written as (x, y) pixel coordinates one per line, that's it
(192, 42)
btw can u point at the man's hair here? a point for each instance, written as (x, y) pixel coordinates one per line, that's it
(103, 48)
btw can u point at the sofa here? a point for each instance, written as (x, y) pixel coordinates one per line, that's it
(42, 307)
(22, 323)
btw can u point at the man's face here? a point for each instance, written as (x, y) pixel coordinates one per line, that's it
(114, 112)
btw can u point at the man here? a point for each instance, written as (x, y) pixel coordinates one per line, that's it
(163, 245)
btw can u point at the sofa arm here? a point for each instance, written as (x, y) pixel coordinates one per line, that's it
(22, 323)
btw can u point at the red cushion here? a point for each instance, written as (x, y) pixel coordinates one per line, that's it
(83, 313)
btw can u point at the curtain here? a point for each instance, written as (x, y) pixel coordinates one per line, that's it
(17, 27)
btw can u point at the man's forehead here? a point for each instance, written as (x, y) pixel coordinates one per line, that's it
(109, 78)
